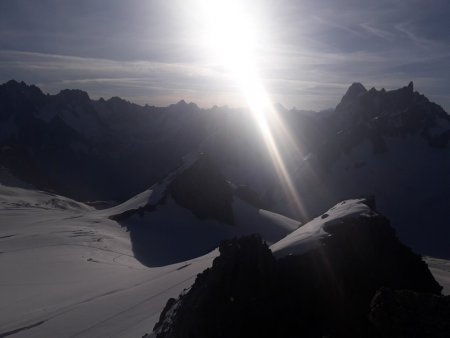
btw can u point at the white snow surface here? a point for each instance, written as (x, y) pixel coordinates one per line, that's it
(12, 197)
(308, 236)
(69, 271)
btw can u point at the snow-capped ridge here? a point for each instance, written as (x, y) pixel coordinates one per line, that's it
(308, 236)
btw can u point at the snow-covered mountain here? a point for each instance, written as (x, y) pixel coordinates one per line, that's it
(190, 211)
(389, 144)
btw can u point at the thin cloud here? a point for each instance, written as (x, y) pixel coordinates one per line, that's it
(378, 32)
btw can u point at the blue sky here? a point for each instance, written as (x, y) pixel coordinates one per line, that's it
(307, 52)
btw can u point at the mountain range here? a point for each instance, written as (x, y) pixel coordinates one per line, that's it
(389, 144)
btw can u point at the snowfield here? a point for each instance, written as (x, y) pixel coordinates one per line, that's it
(68, 270)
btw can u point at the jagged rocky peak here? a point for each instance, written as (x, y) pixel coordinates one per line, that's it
(354, 91)
(181, 103)
(183, 106)
(116, 100)
(20, 90)
(19, 99)
(117, 104)
(411, 86)
(401, 111)
(73, 95)
(324, 291)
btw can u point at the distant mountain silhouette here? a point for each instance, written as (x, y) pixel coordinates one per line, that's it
(87, 149)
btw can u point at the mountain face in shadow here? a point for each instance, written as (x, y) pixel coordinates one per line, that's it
(324, 291)
(95, 149)
(390, 144)
(377, 114)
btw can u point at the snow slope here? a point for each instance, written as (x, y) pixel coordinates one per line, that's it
(68, 272)
(172, 234)
(71, 271)
(163, 231)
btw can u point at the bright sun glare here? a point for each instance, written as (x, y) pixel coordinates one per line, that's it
(231, 36)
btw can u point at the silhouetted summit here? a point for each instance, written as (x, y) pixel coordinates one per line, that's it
(76, 96)
(355, 90)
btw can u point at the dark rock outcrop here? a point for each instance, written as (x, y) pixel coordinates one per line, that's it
(228, 299)
(408, 314)
(203, 190)
(326, 291)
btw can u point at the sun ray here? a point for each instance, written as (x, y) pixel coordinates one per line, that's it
(231, 36)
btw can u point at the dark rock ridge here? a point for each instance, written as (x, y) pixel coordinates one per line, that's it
(199, 187)
(326, 291)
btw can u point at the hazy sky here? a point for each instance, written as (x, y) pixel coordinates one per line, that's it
(307, 52)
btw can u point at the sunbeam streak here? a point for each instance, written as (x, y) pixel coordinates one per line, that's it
(231, 37)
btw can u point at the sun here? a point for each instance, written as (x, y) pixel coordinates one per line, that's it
(230, 34)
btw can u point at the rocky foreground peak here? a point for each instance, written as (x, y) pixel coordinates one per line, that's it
(325, 291)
